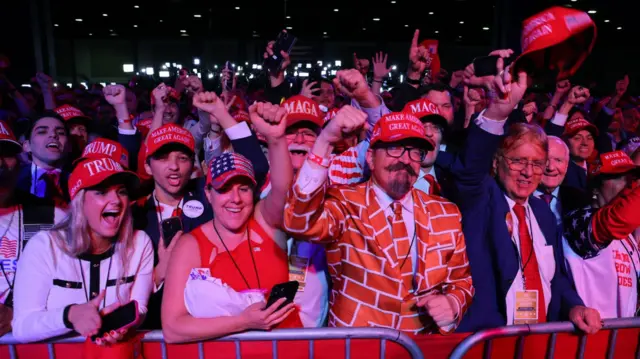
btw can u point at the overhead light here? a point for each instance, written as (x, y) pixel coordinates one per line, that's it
(210, 75)
(127, 67)
(26, 85)
(183, 31)
(184, 34)
(574, 0)
(333, 72)
(135, 25)
(149, 70)
(591, 11)
(196, 61)
(324, 33)
(459, 36)
(79, 20)
(179, 66)
(619, 28)
(289, 28)
(485, 28)
(197, 15)
(233, 65)
(437, 32)
(376, 19)
(308, 66)
(329, 65)
(336, 10)
(406, 25)
(103, 84)
(56, 25)
(303, 74)
(393, 1)
(90, 34)
(338, 63)
(364, 29)
(246, 64)
(607, 20)
(69, 84)
(323, 72)
(288, 17)
(461, 22)
(394, 67)
(143, 70)
(164, 73)
(160, 20)
(430, 12)
(136, 6)
(237, 7)
(105, 15)
(114, 34)
(110, 30)
(319, 63)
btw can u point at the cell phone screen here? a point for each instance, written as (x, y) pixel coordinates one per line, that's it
(485, 65)
(284, 42)
(118, 319)
(170, 227)
(283, 290)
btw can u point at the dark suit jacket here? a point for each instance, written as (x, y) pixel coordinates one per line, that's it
(492, 253)
(25, 181)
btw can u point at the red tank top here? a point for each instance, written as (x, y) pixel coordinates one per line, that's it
(271, 264)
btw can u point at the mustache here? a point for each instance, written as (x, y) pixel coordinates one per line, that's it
(399, 166)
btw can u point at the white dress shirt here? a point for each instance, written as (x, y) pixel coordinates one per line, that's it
(422, 184)
(544, 254)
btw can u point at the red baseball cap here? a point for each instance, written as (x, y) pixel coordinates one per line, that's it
(426, 111)
(72, 114)
(329, 116)
(576, 125)
(241, 116)
(172, 96)
(167, 135)
(632, 146)
(397, 126)
(614, 163)
(558, 38)
(227, 166)
(102, 147)
(300, 108)
(91, 172)
(7, 136)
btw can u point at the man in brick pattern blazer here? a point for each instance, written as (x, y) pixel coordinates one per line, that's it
(386, 270)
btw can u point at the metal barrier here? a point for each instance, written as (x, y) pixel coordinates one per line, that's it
(553, 329)
(310, 335)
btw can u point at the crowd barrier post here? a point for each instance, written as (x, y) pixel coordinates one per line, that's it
(310, 335)
(553, 329)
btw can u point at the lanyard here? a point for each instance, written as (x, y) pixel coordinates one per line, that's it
(18, 245)
(159, 208)
(255, 268)
(84, 284)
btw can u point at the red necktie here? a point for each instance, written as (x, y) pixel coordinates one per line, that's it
(434, 186)
(532, 280)
(52, 182)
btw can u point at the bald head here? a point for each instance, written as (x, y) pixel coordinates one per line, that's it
(557, 165)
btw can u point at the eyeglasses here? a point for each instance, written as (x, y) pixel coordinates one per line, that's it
(415, 154)
(432, 127)
(307, 135)
(519, 164)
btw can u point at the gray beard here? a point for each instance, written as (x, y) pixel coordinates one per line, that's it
(399, 188)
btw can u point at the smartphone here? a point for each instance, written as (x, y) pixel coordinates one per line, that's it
(485, 65)
(170, 227)
(227, 84)
(283, 290)
(122, 318)
(284, 42)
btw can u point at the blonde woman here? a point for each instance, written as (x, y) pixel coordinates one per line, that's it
(88, 265)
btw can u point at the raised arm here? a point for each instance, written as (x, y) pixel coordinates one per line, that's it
(46, 86)
(159, 94)
(270, 121)
(128, 136)
(577, 96)
(310, 213)
(380, 71)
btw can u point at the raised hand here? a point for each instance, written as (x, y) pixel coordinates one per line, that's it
(362, 65)
(578, 95)
(491, 82)
(419, 57)
(307, 89)
(471, 97)
(192, 85)
(562, 87)
(115, 94)
(622, 85)
(269, 120)
(352, 84)
(286, 60)
(159, 95)
(209, 102)
(380, 69)
(347, 121)
(44, 81)
(456, 78)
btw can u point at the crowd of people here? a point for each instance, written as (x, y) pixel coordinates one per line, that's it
(453, 202)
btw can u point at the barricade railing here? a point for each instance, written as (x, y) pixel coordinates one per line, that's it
(487, 336)
(310, 335)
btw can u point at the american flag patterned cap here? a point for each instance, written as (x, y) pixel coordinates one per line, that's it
(227, 166)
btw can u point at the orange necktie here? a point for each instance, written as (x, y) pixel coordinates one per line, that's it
(402, 245)
(434, 186)
(531, 272)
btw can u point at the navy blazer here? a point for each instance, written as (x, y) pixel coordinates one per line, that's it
(576, 177)
(492, 254)
(25, 181)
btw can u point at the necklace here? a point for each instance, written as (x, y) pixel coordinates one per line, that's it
(255, 268)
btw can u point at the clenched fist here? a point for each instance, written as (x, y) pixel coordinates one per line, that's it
(347, 121)
(44, 80)
(578, 95)
(443, 309)
(269, 120)
(159, 95)
(352, 84)
(115, 94)
(209, 102)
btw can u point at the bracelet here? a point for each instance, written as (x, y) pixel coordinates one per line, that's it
(378, 81)
(323, 162)
(124, 120)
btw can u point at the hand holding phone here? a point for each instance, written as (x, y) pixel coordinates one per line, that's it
(485, 65)
(121, 319)
(286, 290)
(170, 227)
(276, 57)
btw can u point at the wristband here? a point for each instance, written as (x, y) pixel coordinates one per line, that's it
(65, 317)
(378, 81)
(323, 162)
(126, 120)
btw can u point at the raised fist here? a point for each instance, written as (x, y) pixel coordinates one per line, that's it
(578, 95)
(352, 84)
(562, 87)
(209, 102)
(159, 95)
(347, 122)
(192, 85)
(44, 80)
(269, 120)
(115, 94)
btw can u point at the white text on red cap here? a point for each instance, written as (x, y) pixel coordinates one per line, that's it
(4, 130)
(422, 106)
(100, 147)
(102, 164)
(301, 107)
